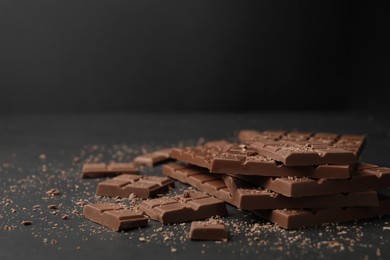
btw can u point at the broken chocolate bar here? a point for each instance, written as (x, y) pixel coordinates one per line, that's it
(298, 218)
(141, 186)
(114, 217)
(153, 158)
(205, 230)
(245, 196)
(187, 207)
(96, 170)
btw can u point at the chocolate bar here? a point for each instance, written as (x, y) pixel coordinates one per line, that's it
(208, 230)
(245, 196)
(298, 218)
(153, 158)
(141, 186)
(96, 170)
(244, 160)
(366, 177)
(187, 207)
(114, 217)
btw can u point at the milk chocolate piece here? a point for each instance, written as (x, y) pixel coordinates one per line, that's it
(96, 170)
(205, 230)
(244, 160)
(187, 207)
(298, 218)
(366, 177)
(153, 158)
(245, 196)
(141, 186)
(114, 217)
(303, 153)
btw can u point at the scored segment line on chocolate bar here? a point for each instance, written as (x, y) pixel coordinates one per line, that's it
(153, 158)
(141, 186)
(187, 207)
(244, 196)
(114, 217)
(299, 218)
(96, 170)
(366, 177)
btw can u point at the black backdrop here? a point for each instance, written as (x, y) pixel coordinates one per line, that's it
(99, 55)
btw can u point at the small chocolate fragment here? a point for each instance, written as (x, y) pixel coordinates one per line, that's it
(298, 218)
(187, 207)
(114, 217)
(96, 170)
(204, 230)
(141, 186)
(153, 158)
(244, 160)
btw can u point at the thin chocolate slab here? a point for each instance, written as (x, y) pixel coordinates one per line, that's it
(245, 196)
(299, 218)
(187, 207)
(114, 217)
(366, 177)
(208, 230)
(141, 186)
(303, 153)
(96, 170)
(153, 158)
(244, 160)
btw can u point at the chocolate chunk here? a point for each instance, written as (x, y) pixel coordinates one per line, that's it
(114, 217)
(142, 186)
(298, 218)
(366, 177)
(96, 170)
(193, 206)
(245, 196)
(208, 231)
(153, 158)
(244, 160)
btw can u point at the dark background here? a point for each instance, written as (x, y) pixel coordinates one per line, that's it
(105, 56)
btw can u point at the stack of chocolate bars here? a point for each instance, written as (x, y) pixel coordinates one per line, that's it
(293, 179)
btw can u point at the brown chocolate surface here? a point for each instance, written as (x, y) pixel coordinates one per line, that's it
(245, 196)
(298, 218)
(244, 160)
(153, 158)
(96, 170)
(187, 207)
(141, 186)
(205, 230)
(114, 217)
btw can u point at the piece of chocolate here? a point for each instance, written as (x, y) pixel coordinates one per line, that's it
(187, 207)
(245, 196)
(303, 153)
(244, 160)
(366, 177)
(141, 186)
(208, 230)
(153, 158)
(298, 218)
(114, 217)
(96, 170)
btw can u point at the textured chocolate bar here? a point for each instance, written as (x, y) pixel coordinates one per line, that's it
(366, 177)
(298, 218)
(241, 159)
(208, 230)
(187, 207)
(153, 158)
(114, 217)
(96, 170)
(141, 186)
(245, 196)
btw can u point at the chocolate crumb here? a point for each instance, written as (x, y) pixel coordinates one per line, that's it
(26, 222)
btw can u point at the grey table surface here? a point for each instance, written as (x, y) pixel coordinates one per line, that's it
(69, 140)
